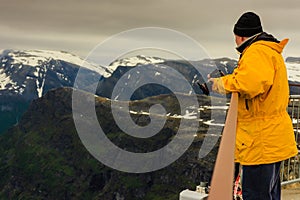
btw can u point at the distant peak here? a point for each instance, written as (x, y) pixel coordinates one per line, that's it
(35, 58)
(134, 61)
(293, 59)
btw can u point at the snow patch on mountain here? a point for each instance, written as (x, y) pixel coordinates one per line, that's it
(38, 57)
(211, 123)
(5, 80)
(132, 62)
(40, 83)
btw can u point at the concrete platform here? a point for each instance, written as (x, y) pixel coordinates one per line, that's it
(290, 193)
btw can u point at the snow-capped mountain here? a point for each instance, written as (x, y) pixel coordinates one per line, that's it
(27, 75)
(32, 73)
(162, 71)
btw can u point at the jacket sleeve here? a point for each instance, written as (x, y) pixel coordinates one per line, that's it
(253, 76)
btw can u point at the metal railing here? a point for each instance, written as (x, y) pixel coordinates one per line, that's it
(290, 168)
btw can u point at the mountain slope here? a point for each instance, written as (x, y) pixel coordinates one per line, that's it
(43, 158)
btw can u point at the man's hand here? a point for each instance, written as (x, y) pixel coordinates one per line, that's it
(216, 85)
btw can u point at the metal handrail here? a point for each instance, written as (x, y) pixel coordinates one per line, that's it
(290, 168)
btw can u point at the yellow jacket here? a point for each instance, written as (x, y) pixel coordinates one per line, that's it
(264, 128)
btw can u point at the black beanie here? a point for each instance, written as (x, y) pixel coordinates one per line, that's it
(248, 25)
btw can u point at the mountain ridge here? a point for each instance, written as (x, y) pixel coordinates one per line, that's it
(28, 74)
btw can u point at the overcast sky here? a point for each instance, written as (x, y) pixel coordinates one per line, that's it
(77, 26)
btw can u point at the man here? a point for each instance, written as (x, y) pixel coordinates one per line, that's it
(265, 134)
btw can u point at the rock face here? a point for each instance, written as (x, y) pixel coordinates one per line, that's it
(43, 158)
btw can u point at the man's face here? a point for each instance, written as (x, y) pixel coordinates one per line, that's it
(238, 40)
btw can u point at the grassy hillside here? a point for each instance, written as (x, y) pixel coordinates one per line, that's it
(43, 158)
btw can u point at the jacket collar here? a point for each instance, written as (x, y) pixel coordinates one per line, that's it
(260, 36)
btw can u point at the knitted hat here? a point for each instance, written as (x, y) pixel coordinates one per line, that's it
(247, 25)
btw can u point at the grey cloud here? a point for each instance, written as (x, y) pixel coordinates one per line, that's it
(75, 24)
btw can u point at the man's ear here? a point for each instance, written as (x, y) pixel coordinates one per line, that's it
(244, 38)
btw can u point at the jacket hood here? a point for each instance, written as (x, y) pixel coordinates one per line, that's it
(276, 46)
(266, 39)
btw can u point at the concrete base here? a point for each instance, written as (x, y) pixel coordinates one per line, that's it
(192, 195)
